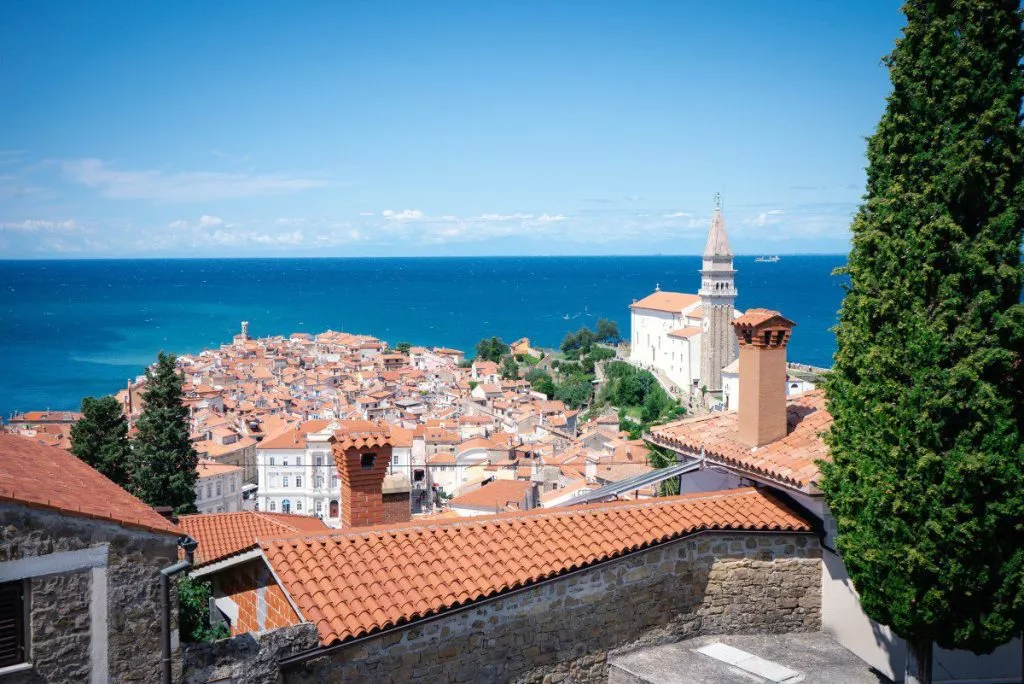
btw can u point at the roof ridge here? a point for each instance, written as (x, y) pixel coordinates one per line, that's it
(531, 514)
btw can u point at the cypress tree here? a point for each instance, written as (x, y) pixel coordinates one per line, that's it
(927, 475)
(100, 438)
(165, 461)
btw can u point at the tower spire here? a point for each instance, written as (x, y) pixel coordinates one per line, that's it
(718, 297)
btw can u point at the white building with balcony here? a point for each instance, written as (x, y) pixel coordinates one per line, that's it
(296, 473)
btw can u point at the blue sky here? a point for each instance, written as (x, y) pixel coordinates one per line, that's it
(155, 129)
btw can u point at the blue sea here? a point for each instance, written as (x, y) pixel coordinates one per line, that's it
(70, 329)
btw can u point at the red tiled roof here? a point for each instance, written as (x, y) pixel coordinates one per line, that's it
(790, 460)
(671, 302)
(493, 495)
(689, 331)
(49, 478)
(224, 534)
(364, 580)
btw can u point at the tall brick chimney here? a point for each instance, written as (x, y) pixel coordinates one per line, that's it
(762, 335)
(362, 454)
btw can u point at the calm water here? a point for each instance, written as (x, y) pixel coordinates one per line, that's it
(78, 328)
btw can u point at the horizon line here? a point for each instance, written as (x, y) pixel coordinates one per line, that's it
(405, 256)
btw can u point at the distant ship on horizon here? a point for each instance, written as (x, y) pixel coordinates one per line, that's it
(767, 259)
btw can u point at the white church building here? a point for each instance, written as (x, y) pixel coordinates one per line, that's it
(688, 338)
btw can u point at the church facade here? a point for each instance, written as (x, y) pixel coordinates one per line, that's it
(688, 338)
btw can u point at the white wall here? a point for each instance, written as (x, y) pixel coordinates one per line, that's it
(843, 619)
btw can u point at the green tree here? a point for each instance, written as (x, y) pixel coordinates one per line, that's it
(491, 349)
(165, 461)
(540, 381)
(509, 368)
(578, 342)
(650, 410)
(608, 331)
(194, 612)
(574, 391)
(100, 439)
(927, 475)
(403, 347)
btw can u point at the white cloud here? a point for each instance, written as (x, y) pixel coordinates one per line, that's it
(366, 213)
(36, 225)
(294, 238)
(678, 214)
(503, 217)
(767, 218)
(183, 186)
(291, 221)
(550, 218)
(404, 215)
(178, 225)
(207, 221)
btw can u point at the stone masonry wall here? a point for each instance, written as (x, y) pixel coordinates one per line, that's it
(60, 631)
(562, 630)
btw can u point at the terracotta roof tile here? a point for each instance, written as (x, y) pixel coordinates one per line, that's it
(224, 534)
(671, 302)
(791, 460)
(364, 580)
(493, 495)
(45, 477)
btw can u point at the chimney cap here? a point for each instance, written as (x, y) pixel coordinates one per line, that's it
(757, 318)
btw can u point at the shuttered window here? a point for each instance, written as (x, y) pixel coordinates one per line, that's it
(12, 623)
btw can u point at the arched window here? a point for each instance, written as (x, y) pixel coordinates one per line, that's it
(286, 506)
(334, 508)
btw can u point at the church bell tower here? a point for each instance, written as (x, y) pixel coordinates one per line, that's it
(718, 347)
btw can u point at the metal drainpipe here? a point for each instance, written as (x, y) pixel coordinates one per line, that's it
(189, 545)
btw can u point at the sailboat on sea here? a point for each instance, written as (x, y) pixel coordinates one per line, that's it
(767, 259)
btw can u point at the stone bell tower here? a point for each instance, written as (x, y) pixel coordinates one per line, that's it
(718, 347)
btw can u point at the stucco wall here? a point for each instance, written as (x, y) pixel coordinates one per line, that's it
(64, 638)
(710, 583)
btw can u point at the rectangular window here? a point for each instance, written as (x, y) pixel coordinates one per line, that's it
(284, 481)
(298, 480)
(318, 460)
(367, 461)
(319, 481)
(12, 623)
(232, 486)
(219, 491)
(284, 461)
(334, 481)
(272, 505)
(319, 507)
(271, 460)
(298, 460)
(209, 491)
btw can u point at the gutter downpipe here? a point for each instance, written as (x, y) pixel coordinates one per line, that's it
(189, 545)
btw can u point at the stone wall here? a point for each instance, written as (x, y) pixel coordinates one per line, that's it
(61, 631)
(562, 630)
(248, 658)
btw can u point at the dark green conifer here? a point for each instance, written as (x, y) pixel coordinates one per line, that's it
(100, 438)
(927, 478)
(165, 461)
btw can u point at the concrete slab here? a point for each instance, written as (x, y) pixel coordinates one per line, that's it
(813, 657)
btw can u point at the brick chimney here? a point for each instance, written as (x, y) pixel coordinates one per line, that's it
(763, 335)
(362, 454)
